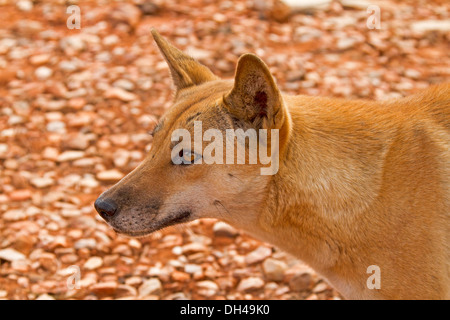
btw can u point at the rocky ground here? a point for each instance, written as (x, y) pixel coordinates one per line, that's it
(76, 107)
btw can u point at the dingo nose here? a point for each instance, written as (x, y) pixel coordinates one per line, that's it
(105, 208)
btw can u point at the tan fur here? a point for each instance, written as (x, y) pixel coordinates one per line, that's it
(360, 183)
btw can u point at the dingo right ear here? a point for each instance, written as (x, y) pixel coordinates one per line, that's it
(255, 96)
(185, 70)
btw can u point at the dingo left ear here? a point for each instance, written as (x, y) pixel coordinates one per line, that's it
(255, 96)
(185, 70)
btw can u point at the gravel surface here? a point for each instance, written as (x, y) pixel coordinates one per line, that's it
(76, 107)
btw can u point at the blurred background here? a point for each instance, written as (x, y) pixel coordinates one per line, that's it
(82, 84)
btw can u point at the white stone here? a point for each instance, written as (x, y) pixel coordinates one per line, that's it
(14, 215)
(258, 255)
(89, 182)
(111, 40)
(121, 158)
(14, 119)
(274, 269)
(75, 43)
(56, 126)
(346, 43)
(207, 288)
(121, 94)
(301, 5)
(431, 25)
(93, 263)
(110, 175)
(9, 254)
(412, 73)
(250, 284)
(43, 182)
(86, 243)
(43, 73)
(194, 248)
(24, 5)
(150, 287)
(356, 4)
(222, 229)
(3, 148)
(124, 84)
(45, 296)
(70, 155)
(192, 268)
(177, 250)
(70, 212)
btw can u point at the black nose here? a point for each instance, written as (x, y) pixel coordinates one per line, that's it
(106, 208)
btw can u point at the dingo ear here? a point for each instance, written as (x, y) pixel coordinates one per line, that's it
(185, 70)
(255, 97)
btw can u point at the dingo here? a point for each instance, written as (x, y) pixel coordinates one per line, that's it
(361, 185)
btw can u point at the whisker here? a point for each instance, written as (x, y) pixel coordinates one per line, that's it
(235, 176)
(217, 203)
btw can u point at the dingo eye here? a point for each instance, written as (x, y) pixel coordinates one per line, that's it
(188, 157)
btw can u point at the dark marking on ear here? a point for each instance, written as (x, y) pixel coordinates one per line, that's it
(260, 101)
(255, 96)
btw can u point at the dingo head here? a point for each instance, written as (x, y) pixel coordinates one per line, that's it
(171, 186)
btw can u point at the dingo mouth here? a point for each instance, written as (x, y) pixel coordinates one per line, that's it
(181, 217)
